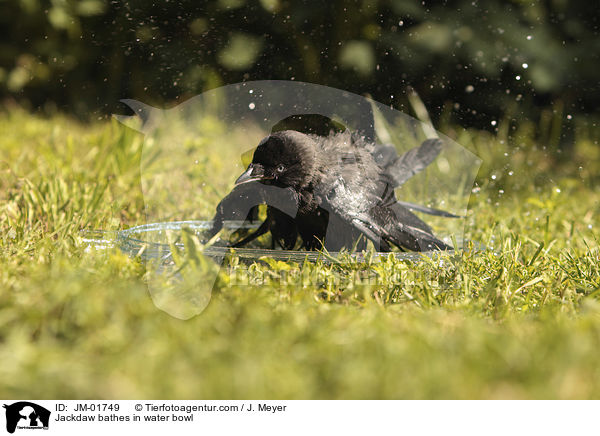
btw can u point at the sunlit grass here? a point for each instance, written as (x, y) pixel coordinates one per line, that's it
(520, 320)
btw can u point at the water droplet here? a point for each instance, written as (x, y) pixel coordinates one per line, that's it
(518, 77)
(251, 91)
(251, 106)
(493, 123)
(525, 66)
(493, 176)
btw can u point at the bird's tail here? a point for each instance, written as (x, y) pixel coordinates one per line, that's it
(428, 210)
(405, 229)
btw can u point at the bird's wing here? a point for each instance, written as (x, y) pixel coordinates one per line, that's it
(400, 169)
(240, 201)
(235, 206)
(382, 223)
(397, 170)
(384, 155)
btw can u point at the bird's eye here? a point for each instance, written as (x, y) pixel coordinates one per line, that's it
(280, 168)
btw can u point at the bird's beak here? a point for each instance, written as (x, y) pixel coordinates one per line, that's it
(255, 172)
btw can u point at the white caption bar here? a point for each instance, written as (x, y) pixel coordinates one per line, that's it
(43, 417)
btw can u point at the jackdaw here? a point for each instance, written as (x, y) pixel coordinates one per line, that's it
(342, 189)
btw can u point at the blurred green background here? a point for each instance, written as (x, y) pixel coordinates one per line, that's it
(473, 61)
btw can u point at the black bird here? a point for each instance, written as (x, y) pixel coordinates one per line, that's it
(282, 226)
(342, 189)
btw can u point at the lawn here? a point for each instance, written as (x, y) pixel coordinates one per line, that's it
(519, 320)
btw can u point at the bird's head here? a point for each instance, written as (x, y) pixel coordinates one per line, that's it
(284, 159)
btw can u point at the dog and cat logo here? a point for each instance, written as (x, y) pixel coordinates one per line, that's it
(26, 415)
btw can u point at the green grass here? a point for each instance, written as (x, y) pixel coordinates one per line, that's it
(521, 321)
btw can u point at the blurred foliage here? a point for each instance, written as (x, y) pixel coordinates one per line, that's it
(477, 60)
